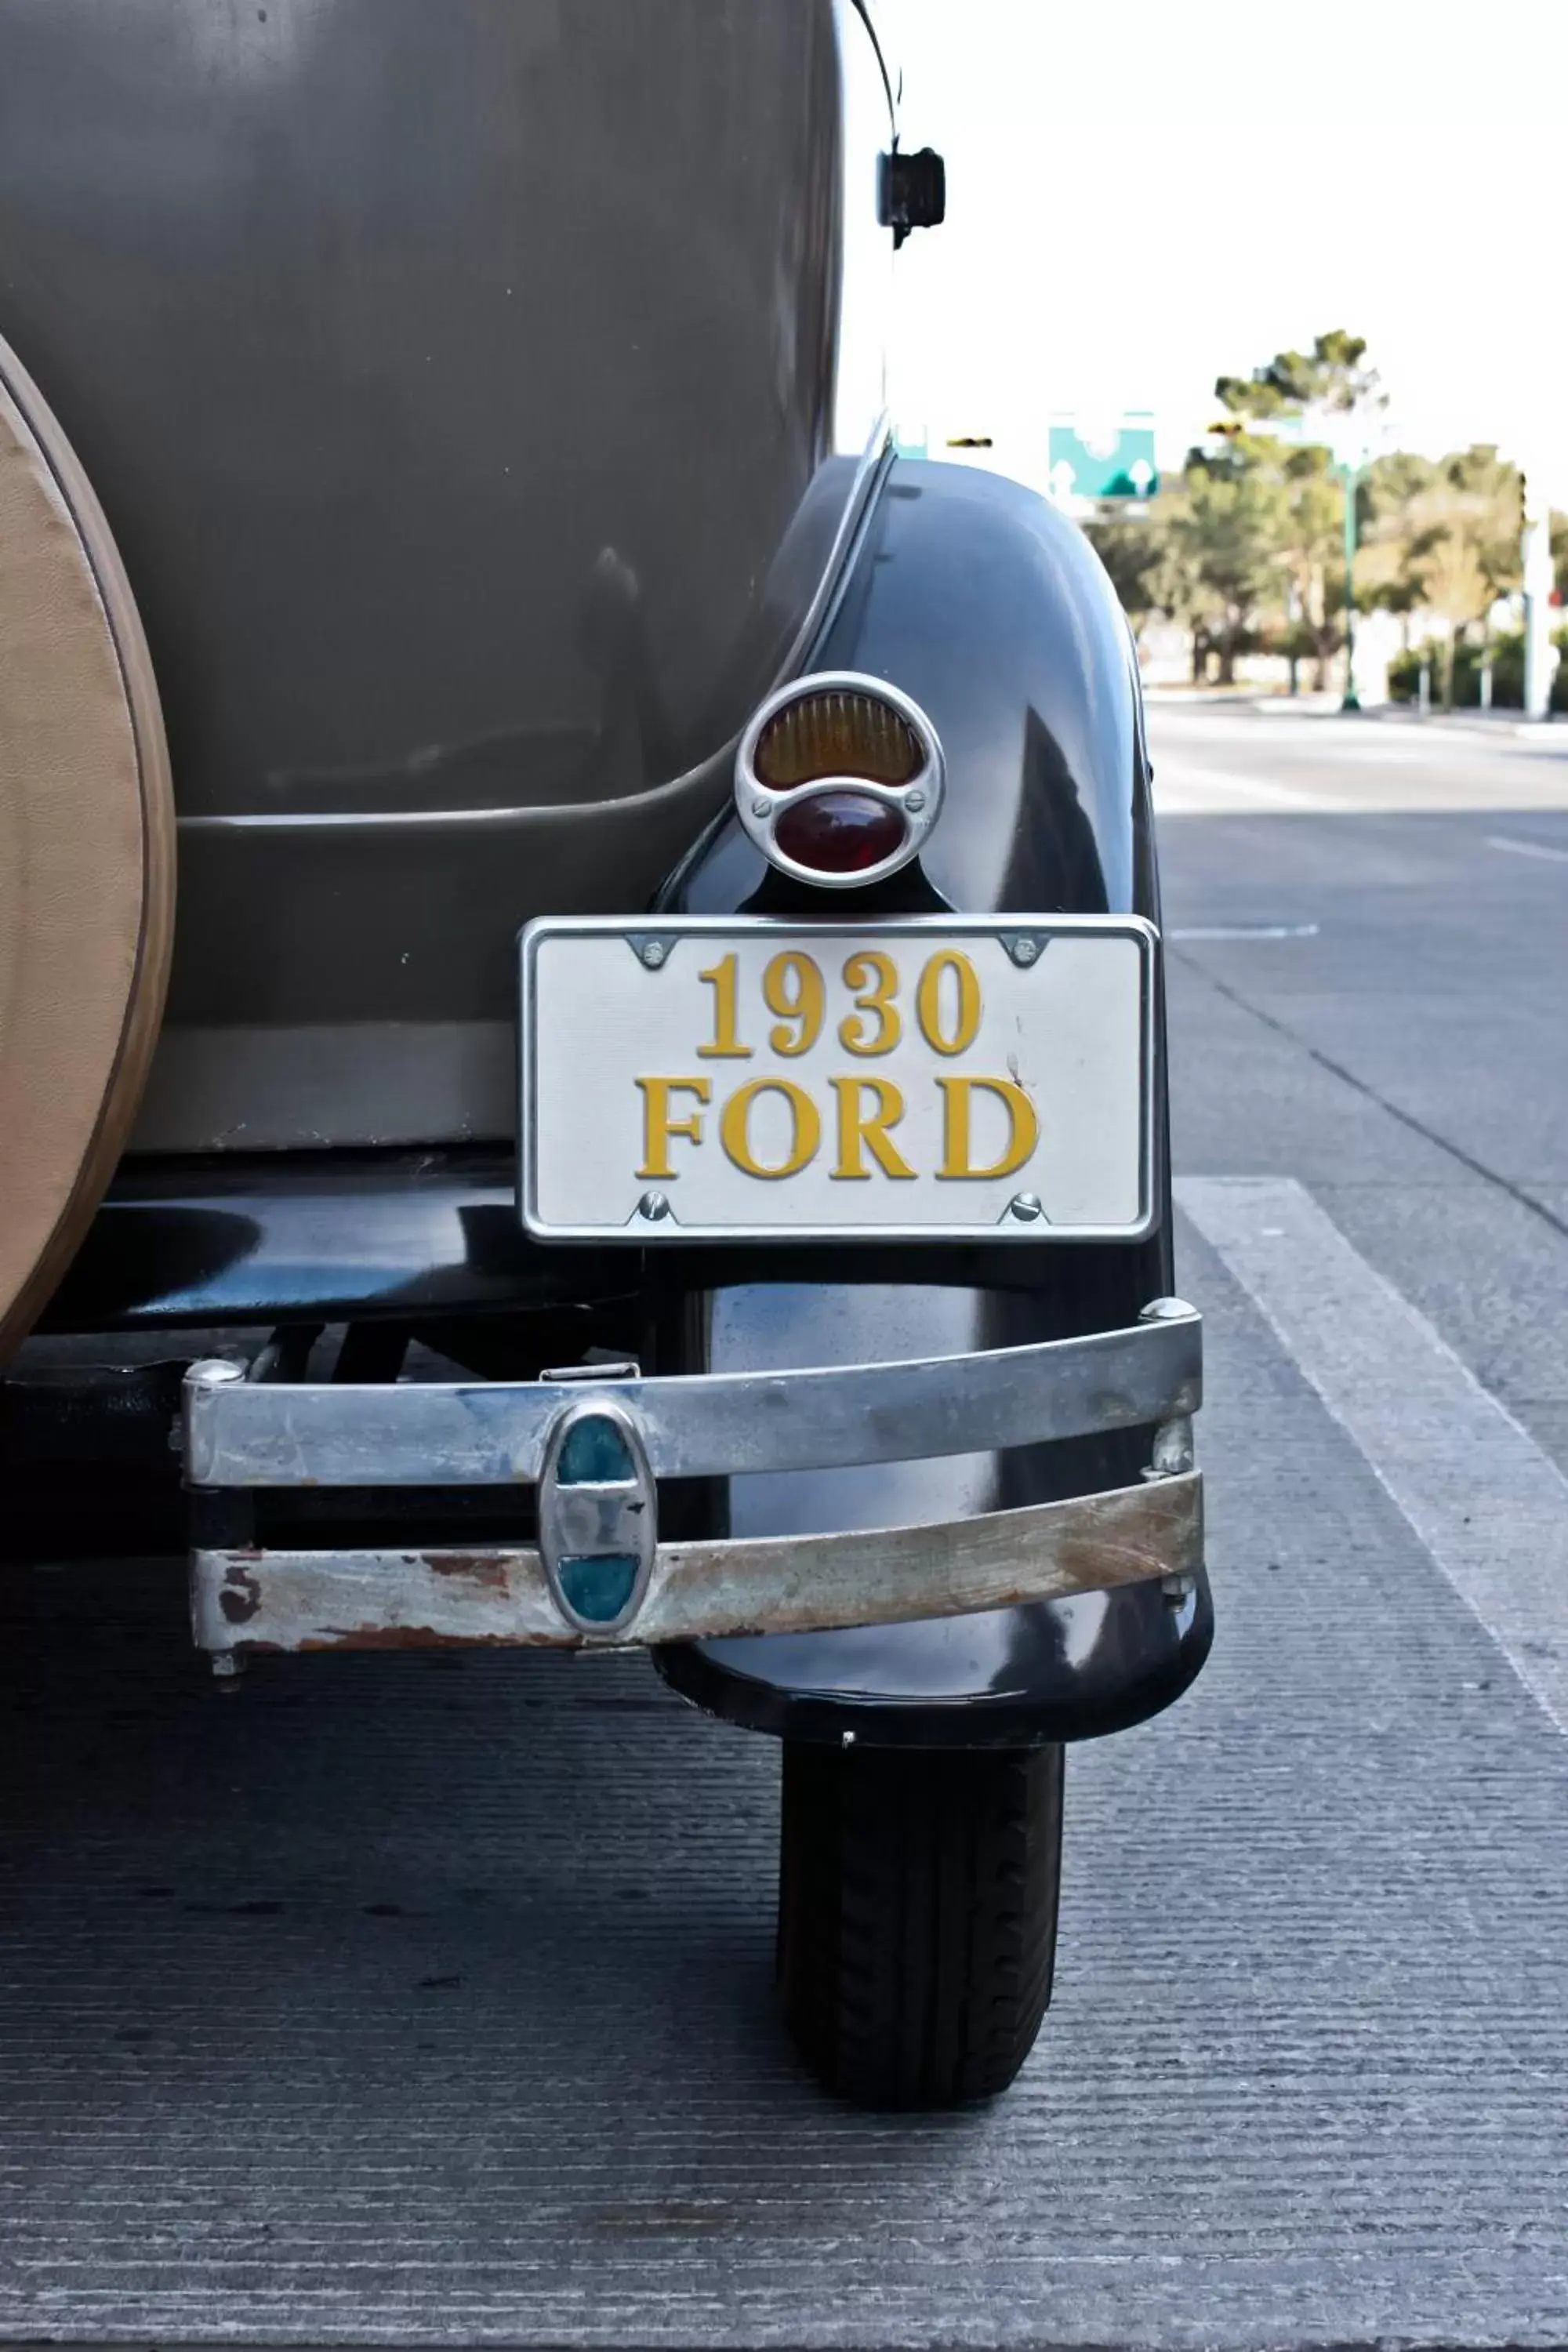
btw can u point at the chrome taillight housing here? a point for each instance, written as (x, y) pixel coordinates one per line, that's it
(840, 779)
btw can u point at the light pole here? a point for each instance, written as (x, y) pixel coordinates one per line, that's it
(1351, 471)
(1536, 565)
(1351, 436)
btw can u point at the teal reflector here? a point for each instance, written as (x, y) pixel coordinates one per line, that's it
(595, 1452)
(598, 1586)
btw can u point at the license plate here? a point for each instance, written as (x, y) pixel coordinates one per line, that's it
(935, 1078)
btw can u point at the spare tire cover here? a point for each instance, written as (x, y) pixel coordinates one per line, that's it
(86, 854)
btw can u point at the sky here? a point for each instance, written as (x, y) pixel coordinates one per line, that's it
(1144, 194)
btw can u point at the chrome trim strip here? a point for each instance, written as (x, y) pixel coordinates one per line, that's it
(312, 1600)
(488, 1432)
(365, 820)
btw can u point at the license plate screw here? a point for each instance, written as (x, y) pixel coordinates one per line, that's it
(1023, 949)
(653, 1206)
(653, 952)
(1026, 1207)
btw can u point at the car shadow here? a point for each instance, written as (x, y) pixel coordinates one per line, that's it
(434, 1913)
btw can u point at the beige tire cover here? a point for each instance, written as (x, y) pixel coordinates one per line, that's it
(87, 855)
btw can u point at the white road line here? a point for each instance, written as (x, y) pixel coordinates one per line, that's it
(1181, 786)
(1489, 1506)
(1527, 848)
(1246, 932)
(1383, 754)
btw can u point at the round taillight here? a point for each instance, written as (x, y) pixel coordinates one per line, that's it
(840, 833)
(838, 779)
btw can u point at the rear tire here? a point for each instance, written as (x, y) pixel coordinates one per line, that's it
(917, 1894)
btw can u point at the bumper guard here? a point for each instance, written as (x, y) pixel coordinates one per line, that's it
(594, 1445)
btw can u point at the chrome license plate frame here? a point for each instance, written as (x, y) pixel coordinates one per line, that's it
(575, 1105)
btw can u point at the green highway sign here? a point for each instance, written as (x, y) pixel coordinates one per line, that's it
(1114, 461)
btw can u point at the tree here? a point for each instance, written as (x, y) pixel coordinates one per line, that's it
(1135, 550)
(1223, 534)
(1445, 537)
(1333, 379)
(1490, 491)
(1251, 533)
(1312, 554)
(1464, 542)
(1385, 573)
(1333, 375)
(1250, 536)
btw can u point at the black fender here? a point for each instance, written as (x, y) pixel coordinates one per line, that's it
(991, 610)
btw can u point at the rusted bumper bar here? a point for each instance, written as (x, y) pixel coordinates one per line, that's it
(596, 1447)
(272, 1601)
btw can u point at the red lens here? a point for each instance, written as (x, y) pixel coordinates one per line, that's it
(840, 833)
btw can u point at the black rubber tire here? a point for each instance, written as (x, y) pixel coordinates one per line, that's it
(917, 1894)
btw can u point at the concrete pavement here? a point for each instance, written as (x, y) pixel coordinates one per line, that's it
(427, 2000)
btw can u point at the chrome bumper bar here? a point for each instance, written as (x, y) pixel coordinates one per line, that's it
(596, 1447)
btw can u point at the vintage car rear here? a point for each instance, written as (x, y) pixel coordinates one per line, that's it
(655, 1135)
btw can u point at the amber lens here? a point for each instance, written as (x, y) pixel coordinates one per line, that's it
(839, 732)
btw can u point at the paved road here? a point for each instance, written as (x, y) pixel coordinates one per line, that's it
(427, 2000)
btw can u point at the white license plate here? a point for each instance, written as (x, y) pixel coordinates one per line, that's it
(725, 1080)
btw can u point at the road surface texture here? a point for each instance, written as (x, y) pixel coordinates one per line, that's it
(400, 1999)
